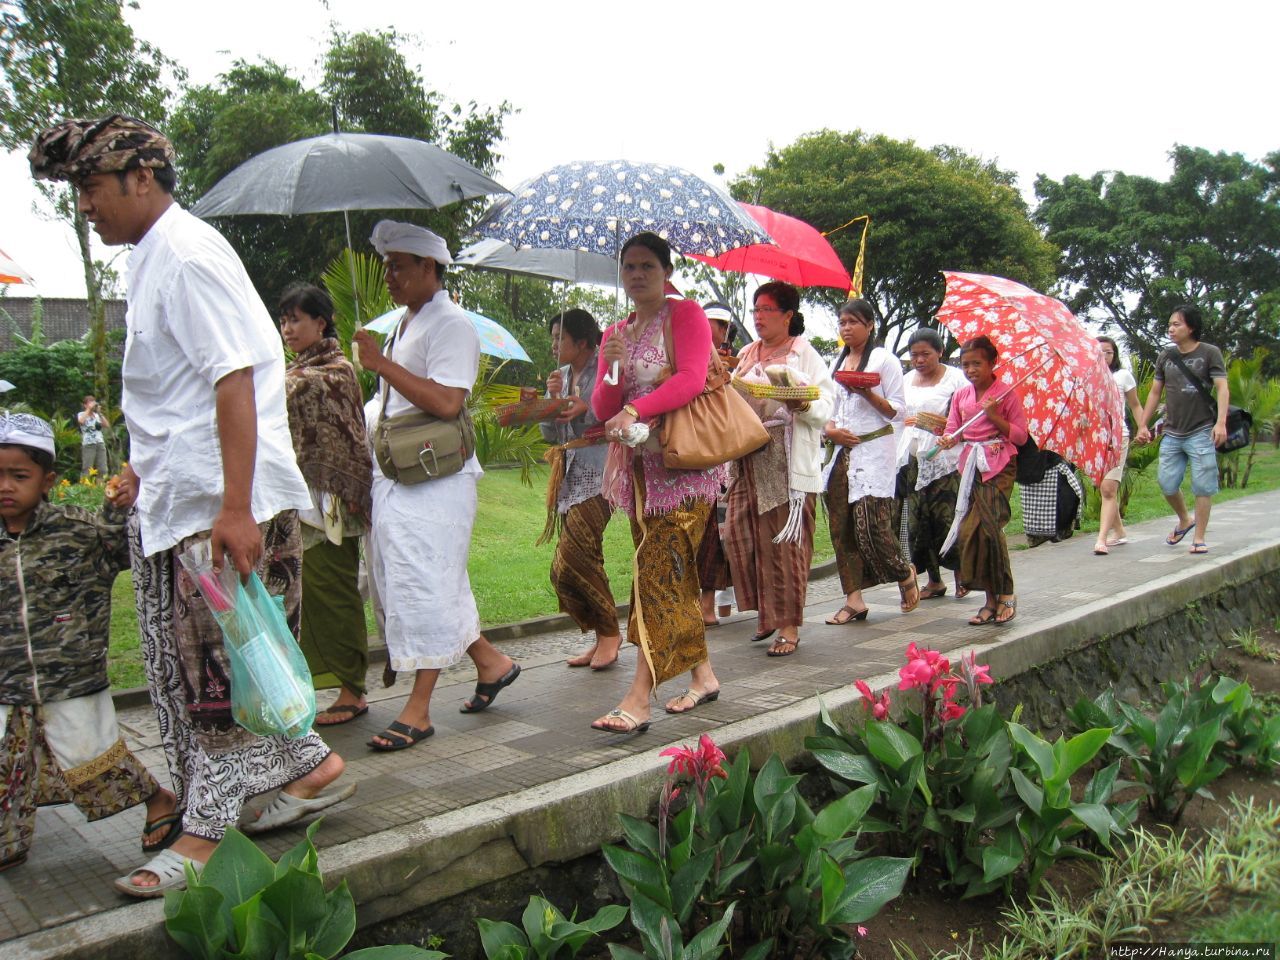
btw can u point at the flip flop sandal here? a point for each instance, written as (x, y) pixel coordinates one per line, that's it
(961, 592)
(762, 635)
(169, 868)
(853, 615)
(934, 594)
(1118, 542)
(15, 861)
(978, 620)
(1199, 549)
(633, 724)
(348, 711)
(904, 592)
(401, 735)
(1101, 551)
(695, 698)
(1008, 604)
(778, 649)
(171, 820)
(1175, 538)
(710, 623)
(286, 809)
(486, 693)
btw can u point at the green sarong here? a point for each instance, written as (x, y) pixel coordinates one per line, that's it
(333, 627)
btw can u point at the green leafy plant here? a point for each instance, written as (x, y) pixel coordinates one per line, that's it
(1200, 730)
(754, 839)
(547, 932)
(242, 905)
(1250, 644)
(661, 938)
(1050, 818)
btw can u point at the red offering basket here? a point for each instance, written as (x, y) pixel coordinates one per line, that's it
(857, 379)
(531, 411)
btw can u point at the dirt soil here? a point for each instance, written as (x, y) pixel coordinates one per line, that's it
(928, 921)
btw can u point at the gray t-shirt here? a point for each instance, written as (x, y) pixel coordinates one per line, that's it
(1186, 409)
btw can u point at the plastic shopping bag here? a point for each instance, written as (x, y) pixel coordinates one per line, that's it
(271, 690)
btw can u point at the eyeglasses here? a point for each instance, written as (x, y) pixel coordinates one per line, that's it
(756, 311)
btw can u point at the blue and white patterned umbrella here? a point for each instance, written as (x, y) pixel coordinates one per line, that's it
(596, 206)
(495, 339)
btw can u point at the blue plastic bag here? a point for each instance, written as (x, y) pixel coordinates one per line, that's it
(271, 692)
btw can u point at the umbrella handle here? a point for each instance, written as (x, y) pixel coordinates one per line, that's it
(611, 378)
(982, 413)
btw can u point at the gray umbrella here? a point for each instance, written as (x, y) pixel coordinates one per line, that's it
(571, 265)
(346, 171)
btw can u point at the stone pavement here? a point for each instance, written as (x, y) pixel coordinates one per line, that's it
(537, 735)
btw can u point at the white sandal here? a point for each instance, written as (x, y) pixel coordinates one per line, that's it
(286, 809)
(168, 866)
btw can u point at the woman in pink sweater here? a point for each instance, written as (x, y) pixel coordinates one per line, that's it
(988, 466)
(668, 508)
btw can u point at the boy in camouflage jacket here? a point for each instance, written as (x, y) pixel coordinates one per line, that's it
(59, 741)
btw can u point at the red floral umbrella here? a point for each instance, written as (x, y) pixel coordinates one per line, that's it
(11, 272)
(1074, 407)
(801, 256)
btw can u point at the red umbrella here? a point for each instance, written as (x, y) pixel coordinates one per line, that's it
(10, 272)
(802, 255)
(1073, 406)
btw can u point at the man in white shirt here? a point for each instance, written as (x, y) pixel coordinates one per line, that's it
(210, 459)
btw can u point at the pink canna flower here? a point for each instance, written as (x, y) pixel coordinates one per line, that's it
(952, 711)
(974, 671)
(878, 707)
(917, 673)
(702, 762)
(862, 931)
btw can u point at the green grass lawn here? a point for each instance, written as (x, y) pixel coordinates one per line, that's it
(509, 573)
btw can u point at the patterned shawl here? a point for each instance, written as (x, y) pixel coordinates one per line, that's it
(326, 418)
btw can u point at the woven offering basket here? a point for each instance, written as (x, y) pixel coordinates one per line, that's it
(857, 379)
(935, 423)
(767, 391)
(530, 411)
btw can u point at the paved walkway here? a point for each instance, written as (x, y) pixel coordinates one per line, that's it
(538, 730)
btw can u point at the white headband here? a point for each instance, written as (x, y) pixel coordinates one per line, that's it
(722, 314)
(26, 430)
(392, 236)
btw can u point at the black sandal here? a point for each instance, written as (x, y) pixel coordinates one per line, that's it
(173, 821)
(401, 735)
(779, 647)
(978, 620)
(486, 693)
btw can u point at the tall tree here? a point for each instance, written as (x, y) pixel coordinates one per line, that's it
(371, 86)
(1134, 247)
(76, 58)
(930, 210)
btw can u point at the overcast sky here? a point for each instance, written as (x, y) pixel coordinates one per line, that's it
(1040, 88)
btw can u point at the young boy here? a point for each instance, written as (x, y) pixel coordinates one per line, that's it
(59, 741)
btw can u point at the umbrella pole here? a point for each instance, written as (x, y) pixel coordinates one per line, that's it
(982, 413)
(355, 291)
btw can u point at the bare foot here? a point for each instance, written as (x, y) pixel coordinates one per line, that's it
(605, 652)
(584, 659)
(329, 770)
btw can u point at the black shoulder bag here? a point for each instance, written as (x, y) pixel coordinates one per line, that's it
(1239, 420)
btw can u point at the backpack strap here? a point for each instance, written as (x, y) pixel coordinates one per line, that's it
(1212, 400)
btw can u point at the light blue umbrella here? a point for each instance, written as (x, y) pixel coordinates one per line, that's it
(495, 339)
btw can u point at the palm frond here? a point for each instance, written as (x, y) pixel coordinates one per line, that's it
(368, 292)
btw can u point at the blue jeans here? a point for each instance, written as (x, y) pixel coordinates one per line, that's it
(1197, 448)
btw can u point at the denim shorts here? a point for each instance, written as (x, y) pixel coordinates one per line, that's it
(1199, 450)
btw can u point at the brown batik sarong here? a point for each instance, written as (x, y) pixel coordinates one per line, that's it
(713, 565)
(984, 552)
(864, 535)
(666, 616)
(33, 774)
(770, 578)
(577, 569)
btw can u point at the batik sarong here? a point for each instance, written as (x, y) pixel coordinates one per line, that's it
(713, 565)
(577, 569)
(215, 767)
(666, 617)
(984, 552)
(929, 514)
(864, 535)
(334, 637)
(770, 578)
(64, 751)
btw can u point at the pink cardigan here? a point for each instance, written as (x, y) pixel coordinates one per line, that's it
(965, 404)
(691, 338)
